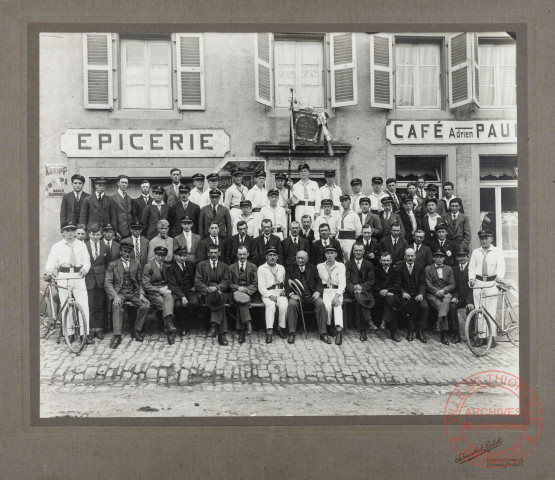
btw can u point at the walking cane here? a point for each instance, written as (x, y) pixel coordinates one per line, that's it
(298, 289)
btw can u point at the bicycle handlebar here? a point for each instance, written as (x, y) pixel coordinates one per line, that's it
(500, 285)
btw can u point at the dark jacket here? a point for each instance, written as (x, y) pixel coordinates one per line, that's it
(203, 249)
(259, 247)
(154, 277)
(397, 251)
(252, 277)
(114, 277)
(463, 293)
(176, 278)
(177, 212)
(405, 219)
(137, 207)
(390, 281)
(203, 277)
(449, 248)
(419, 277)
(151, 217)
(423, 255)
(97, 272)
(365, 277)
(309, 237)
(290, 250)
(233, 244)
(222, 218)
(92, 212)
(71, 209)
(317, 251)
(124, 213)
(143, 248)
(312, 278)
(372, 248)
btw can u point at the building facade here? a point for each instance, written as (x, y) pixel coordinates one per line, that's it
(402, 105)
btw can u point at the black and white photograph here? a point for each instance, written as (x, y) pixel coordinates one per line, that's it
(288, 223)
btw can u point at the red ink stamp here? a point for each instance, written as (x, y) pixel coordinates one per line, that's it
(492, 419)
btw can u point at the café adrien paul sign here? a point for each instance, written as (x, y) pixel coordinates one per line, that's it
(474, 131)
(144, 143)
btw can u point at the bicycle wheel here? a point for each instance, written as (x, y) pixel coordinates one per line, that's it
(478, 332)
(512, 329)
(47, 320)
(74, 316)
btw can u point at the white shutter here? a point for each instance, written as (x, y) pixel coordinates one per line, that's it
(97, 71)
(189, 51)
(475, 70)
(263, 76)
(381, 70)
(459, 52)
(343, 69)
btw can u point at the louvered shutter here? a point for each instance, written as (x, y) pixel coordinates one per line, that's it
(459, 52)
(381, 70)
(263, 77)
(343, 69)
(97, 71)
(475, 70)
(189, 51)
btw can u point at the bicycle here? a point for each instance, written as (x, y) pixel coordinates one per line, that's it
(70, 316)
(478, 326)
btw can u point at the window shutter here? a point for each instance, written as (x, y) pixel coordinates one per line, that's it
(97, 71)
(189, 51)
(459, 51)
(381, 70)
(343, 70)
(263, 78)
(475, 70)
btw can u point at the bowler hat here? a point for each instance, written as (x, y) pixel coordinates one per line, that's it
(366, 299)
(409, 309)
(214, 300)
(241, 298)
(394, 302)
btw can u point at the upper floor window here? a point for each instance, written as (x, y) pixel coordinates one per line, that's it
(497, 74)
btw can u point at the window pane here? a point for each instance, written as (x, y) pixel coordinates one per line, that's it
(409, 168)
(159, 53)
(135, 52)
(487, 211)
(285, 62)
(486, 95)
(498, 167)
(417, 74)
(134, 75)
(509, 218)
(486, 76)
(310, 88)
(497, 74)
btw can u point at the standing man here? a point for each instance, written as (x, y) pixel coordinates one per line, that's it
(243, 283)
(138, 204)
(350, 227)
(391, 185)
(394, 244)
(387, 288)
(198, 190)
(307, 280)
(72, 202)
(422, 252)
(124, 207)
(443, 244)
(334, 280)
(306, 228)
(356, 194)
(371, 247)
(258, 195)
(171, 191)
(317, 249)
(271, 277)
(284, 200)
(123, 283)
(139, 243)
(411, 192)
(235, 194)
(111, 245)
(462, 295)
(264, 241)
(242, 239)
(448, 195)
(329, 217)
(213, 181)
(187, 239)
(161, 240)
(215, 213)
(183, 208)
(292, 245)
(369, 218)
(155, 212)
(275, 213)
(431, 192)
(98, 208)
(253, 227)
(330, 191)
(388, 217)
(440, 282)
(305, 195)
(213, 239)
(408, 219)
(458, 225)
(420, 188)
(376, 204)
(430, 220)
(359, 286)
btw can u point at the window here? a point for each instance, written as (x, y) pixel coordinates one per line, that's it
(497, 74)
(409, 168)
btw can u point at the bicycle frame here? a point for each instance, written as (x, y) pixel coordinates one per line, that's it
(481, 306)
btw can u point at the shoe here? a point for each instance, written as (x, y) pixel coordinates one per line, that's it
(241, 336)
(170, 337)
(436, 328)
(372, 327)
(90, 340)
(249, 327)
(339, 338)
(382, 326)
(493, 343)
(171, 327)
(330, 330)
(363, 336)
(212, 332)
(222, 340)
(269, 335)
(420, 336)
(457, 338)
(395, 337)
(281, 333)
(410, 336)
(444, 339)
(139, 336)
(60, 339)
(324, 337)
(115, 341)
(99, 335)
(291, 338)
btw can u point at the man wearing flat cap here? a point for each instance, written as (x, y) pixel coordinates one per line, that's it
(213, 182)
(97, 207)
(183, 208)
(140, 243)
(153, 213)
(187, 239)
(215, 212)
(331, 191)
(235, 194)
(73, 201)
(305, 195)
(198, 189)
(171, 192)
(257, 195)
(276, 214)
(376, 204)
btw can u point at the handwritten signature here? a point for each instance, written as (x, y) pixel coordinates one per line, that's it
(476, 452)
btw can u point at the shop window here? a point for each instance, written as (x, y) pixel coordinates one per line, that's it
(497, 74)
(409, 168)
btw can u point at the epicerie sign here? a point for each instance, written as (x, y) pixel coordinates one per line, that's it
(144, 143)
(486, 131)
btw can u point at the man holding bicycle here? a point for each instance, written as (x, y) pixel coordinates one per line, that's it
(69, 259)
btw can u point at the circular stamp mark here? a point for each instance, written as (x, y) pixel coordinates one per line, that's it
(492, 419)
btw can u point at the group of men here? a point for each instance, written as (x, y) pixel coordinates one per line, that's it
(393, 255)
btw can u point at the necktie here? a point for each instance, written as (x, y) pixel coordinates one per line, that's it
(387, 216)
(394, 241)
(159, 207)
(137, 251)
(125, 265)
(295, 240)
(417, 247)
(100, 200)
(146, 200)
(214, 210)
(358, 264)
(241, 239)
(185, 241)
(485, 266)
(216, 241)
(441, 243)
(126, 198)
(242, 269)
(410, 269)
(265, 240)
(214, 267)
(78, 195)
(96, 250)
(305, 192)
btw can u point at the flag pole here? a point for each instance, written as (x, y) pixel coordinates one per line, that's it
(291, 147)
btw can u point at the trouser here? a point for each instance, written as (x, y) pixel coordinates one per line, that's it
(489, 303)
(301, 210)
(389, 316)
(243, 316)
(79, 293)
(142, 311)
(270, 305)
(97, 297)
(454, 318)
(188, 311)
(329, 294)
(442, 305)
(422, 318)
(219, 317)
(363, 316)
(346, 246)
(293, 313)
(162, 302)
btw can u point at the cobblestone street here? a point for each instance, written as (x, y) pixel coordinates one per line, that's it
(255, 378)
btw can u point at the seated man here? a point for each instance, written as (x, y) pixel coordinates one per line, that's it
(462, 295)
(440, 282)
(308, 281)
(212, 283)
(243, 283)
(123, 283)
(181, 281)
(157, 291)
(271, 277)
(387, 289)
(359, 286)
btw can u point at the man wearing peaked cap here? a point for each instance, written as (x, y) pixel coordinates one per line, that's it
(140, 243)
(305, 195)
(330, 190)
(187, 239)
(430, 220)
(98, 207)
(248, 217)
(376, 205)
(198, 190)
(72, 202)
(183, 208)
(213, 181)
(275, 213)
(284, 200)
(258, 195)
(156, 211)
(235, 194)
(112, 246)
(369, 218)
(161, 240)
(328, 216)
(215, 212)
(171, 192)
(388, 217)
(432, 192)
(350, 227)
(462, 295)
(442, 243)
(356, 194)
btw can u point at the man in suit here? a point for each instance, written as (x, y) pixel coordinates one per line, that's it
(409, 220)
(213, 182)
(370, 245)
(73, 201)
(389, 217)
(293, 244)
(181, 282)
(138, 204)
(263, 242)
(171, 192)
(394, 244)
(448, 196)
(243, 278)
(423, 252)
(112, 246)
(421, 188)
(440, 282)
(161, 240)
(214, 212)
(183, 208)
(462, 295)
(369, 218)
(431, 192)
(387, 292)
(187, 239)
(411, 192)
(203, 249)
(306, 228)
(124, 207)
(98, 208)
(413, 288)
(430, 220)
(391, 185)
(155, 284)
(123, 283)
(329, 216)
(442, 243)
(212, 279)
(155, 212)
(94, 280)
(458, 225)
(317, 248)
(140, 244)
(360, 278)
(241, 239)
(305, 276)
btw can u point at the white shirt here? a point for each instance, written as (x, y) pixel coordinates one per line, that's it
(432, 221)
(448, 201)
(188, 238)
(205, 198)
(355, 199)
(412, 219)
(276, 215)
(312, 193)
(333, 276)
(195, 195)
(333, 193)
(334, 221)
(376, 200)
(282, 202)
(252, 225)
(495, 261)
(60, 255)
(350, 221)
(268, 276)
(234, 194)
(122, 194)
(258, 197)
